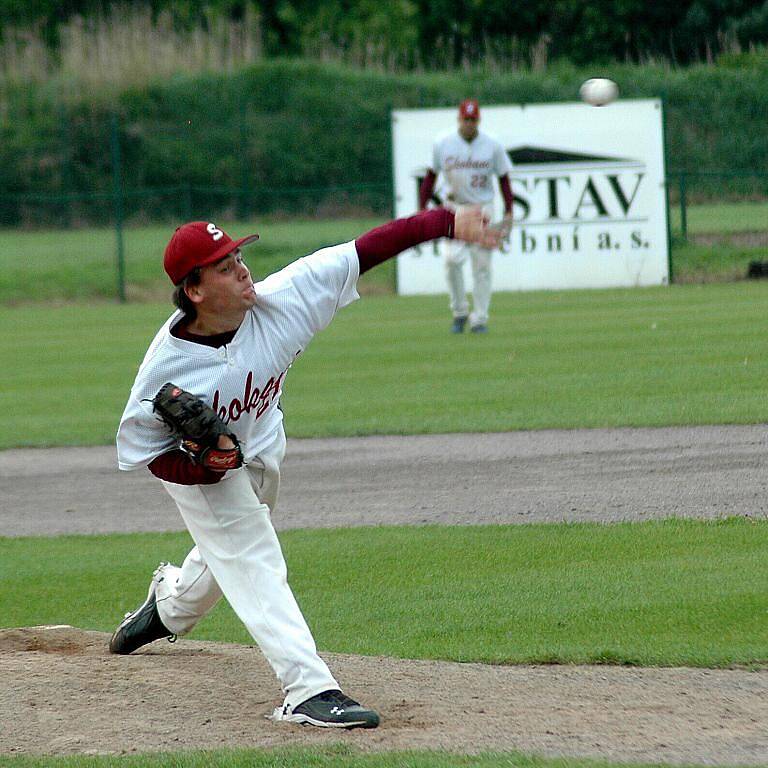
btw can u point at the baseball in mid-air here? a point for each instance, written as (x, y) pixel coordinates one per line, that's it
(598, 91)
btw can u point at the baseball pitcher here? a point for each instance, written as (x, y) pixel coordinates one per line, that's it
(203, 416)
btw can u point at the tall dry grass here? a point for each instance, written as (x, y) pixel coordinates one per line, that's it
(24, 57)
(129, 47)
(508, 55)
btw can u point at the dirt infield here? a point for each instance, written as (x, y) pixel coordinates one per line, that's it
(64, 693)
(513, 477)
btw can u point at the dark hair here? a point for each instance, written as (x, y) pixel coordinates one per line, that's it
(180, 298)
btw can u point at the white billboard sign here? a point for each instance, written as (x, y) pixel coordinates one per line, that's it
(589, 184)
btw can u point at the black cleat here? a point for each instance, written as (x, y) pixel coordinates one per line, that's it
(458, 324)
(330, 709)
(142, 626)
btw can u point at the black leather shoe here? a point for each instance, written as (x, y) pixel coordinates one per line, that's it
(330, 709)
(142, 626)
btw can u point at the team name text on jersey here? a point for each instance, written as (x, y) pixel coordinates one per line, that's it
(253, 398)
(452, 163)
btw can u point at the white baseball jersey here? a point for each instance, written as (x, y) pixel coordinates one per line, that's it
(469, 166)
(241, 381)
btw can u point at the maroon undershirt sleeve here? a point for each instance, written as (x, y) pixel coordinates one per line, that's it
(177, 467)
(506, 191)
(390, 239)
(426, 188)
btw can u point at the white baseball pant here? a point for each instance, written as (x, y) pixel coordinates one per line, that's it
(237, 553)
(455, 253)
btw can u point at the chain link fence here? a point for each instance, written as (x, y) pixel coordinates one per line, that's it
(719, 224)
(94, 222)
(712, 204)
(110, 244)
(93, 219)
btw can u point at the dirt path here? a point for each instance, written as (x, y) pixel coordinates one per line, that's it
(65, 694)
(514, 477)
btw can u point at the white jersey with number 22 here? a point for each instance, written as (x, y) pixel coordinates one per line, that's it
(469, 166)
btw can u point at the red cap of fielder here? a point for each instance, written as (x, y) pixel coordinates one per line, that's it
(198, 244)
(469, 108)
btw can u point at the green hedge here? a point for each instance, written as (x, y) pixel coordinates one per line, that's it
(290, 124)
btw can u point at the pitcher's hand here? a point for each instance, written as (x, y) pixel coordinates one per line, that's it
(472, 226)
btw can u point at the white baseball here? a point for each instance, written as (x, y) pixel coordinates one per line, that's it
(598, 91)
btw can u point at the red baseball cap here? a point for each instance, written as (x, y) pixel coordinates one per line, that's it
(197, 244)
(469, 108)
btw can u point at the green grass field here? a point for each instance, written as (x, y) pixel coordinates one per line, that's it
(658, 593)
(677, 592)
(721, 218)
(728, 258)
(328, 757)
(692, 354)
(82, 263)
(720, 262)
(671, 593)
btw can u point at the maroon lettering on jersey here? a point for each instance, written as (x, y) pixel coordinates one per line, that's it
(253, 399)
(453, 163)
(269, 393)
(220, 412)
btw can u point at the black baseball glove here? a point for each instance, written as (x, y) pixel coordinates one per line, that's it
(198, 427)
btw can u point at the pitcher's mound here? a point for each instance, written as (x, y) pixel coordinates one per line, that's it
(52, 638)
(64, 693)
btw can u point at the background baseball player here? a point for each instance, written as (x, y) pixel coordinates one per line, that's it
(230, 344)
(468, 160)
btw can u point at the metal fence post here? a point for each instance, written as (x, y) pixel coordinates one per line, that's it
(67, 181)
(188, 204)
(117, 202)
(683, 206)
(665, 144)
(242, 198)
